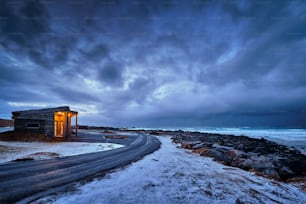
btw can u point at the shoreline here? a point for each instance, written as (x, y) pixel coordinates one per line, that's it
(176, 175)
(298, 143)
(264, 157)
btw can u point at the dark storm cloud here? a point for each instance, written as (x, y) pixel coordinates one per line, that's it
(72, 94)
(25, 29)
(111, 73)
(55, 52)
(269, 51)
(8, 79)
(230, 119)
(158, 62)
(97, 53)
(21, 23)
(140, 89)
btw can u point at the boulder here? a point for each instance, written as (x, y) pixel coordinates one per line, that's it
(189, 145)
(217, 146)
(219, 154)
(198, 146)
(262, 156)
(270, 173)
(202, 151)
(285, 173)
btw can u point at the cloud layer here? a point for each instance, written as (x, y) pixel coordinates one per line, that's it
(165, 63)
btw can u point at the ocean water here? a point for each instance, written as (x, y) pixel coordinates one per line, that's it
(277, 134)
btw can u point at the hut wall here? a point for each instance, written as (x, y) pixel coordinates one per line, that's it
(29, 125)
(49, 128)
(45, 119)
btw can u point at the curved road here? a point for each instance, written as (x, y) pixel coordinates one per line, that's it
(28, 180)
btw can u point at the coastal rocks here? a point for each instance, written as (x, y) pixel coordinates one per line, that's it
(264, 157)
(285, 172)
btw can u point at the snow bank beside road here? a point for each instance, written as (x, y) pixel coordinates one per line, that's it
(16, 150)
(174, 175)
(4, 129)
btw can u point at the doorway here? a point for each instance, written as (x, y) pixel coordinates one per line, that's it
(59, 124)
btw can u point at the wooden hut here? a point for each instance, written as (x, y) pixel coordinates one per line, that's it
(53, 122)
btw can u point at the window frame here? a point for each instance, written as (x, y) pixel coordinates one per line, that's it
(33, 127)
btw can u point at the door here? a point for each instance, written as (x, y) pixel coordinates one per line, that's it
(62, 129)
(59, 128)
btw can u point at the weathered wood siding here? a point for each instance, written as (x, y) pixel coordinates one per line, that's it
(45, 118)
(22, 125)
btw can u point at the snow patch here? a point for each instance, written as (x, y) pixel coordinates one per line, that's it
(4, 129)
(16, 150)
(175, 175)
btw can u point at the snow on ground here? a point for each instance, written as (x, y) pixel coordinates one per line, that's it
(175, 175)
(42, 150)
(4, 129)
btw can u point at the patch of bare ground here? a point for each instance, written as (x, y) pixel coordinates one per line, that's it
(24, 137)
(116, 137)
(107, 132)
(39, 156)
(9, 149)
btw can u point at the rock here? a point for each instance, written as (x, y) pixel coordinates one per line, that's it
(270, 173)
(221, 146)
(233, 153)
(202, 151)
(245, 164)
(262, 156)
(261, 165)
(285, 173)
(198, 146)
(219, 154)
(23, 159)
(186, 145)
(236, 162)
(189, 145)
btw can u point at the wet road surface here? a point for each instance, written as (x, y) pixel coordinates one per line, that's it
(22, 180)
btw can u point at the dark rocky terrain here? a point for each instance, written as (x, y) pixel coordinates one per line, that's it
(262, 156)
(24, 137)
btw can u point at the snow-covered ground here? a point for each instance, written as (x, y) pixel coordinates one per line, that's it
(42, 150)
(4, 129)
(175, 175)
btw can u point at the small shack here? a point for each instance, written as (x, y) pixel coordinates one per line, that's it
(53, 122)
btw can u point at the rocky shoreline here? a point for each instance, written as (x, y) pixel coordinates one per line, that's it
(262, 156)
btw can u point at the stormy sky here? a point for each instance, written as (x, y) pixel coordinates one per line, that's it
(157, 63)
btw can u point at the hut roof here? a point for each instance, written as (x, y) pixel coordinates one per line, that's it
(24, 113)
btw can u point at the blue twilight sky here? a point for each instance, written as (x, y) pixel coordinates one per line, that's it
(157, 63)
